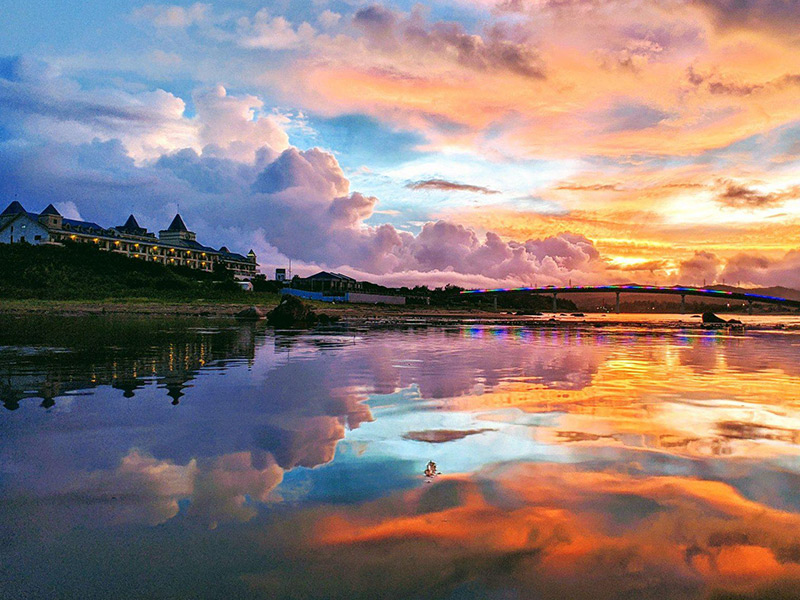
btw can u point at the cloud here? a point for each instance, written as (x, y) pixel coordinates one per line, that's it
(449, 186)
(778, 17)
(173, 16)
(760, 270)
(231, 126)
(703, 267)
(328, 19)
(235, 175)
(593, 187)
(738, 195)
(272, 33)
(442, 436)
(39, 103)
(387, 30)
(627, 116)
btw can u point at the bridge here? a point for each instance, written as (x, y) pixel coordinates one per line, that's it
(646, 289)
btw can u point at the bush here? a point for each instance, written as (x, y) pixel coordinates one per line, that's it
(83, 272)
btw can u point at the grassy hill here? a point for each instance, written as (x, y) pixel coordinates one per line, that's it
(82, 272)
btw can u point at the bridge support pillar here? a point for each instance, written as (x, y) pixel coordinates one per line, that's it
(617, 304)
(749, 307)
(683, 303)
(555, 303)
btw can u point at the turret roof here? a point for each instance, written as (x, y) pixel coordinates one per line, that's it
(131, 223)
(177, 224)
(50, 210)
(12, 209)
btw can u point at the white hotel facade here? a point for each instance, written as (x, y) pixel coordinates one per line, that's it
(175, 245)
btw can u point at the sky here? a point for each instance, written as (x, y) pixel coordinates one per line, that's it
(478, 143)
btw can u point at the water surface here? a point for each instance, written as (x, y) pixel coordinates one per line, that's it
(198, 459)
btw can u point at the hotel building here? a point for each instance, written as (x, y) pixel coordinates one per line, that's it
(175, 245)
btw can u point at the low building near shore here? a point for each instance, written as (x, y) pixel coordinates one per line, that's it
(175, 246)
(326, 281)
(351, 297)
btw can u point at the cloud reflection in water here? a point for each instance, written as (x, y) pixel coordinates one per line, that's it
(578, 462)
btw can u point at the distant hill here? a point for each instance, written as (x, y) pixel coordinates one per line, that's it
(779, 291)
(82, 272)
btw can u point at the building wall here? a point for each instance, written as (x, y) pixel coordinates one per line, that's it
(358, 298)
(150, 249)
(305, 294)
(26, 228)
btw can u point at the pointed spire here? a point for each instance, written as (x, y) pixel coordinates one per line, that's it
(177, 224)
(13, 209)
(131, 223)
(50, 210)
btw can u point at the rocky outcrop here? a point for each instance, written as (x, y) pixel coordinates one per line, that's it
(293, 312)
(709, 318)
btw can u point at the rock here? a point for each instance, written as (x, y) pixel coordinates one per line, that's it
(249, 314)
(709, 318)
(293, 312)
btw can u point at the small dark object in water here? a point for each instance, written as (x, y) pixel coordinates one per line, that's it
(578, 315)
(430, 470)
(249, 314)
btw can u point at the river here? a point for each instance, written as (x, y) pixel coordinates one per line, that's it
(185, 458)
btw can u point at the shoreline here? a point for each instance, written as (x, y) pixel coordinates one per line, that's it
(372, 316)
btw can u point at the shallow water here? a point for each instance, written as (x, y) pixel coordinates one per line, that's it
(200, 459)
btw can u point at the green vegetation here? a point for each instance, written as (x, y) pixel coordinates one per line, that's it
(83, 272)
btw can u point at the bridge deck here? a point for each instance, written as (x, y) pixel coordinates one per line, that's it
(645, 289)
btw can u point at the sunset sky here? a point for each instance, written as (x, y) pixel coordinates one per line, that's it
(481, 143)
